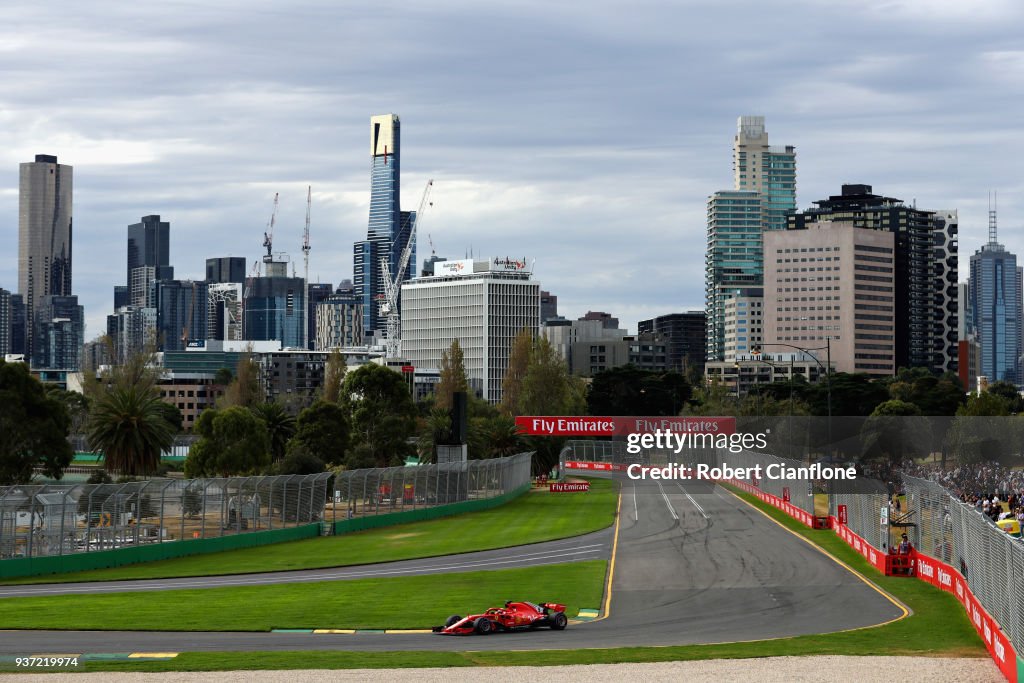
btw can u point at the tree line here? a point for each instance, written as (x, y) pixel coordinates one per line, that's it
(367, 417)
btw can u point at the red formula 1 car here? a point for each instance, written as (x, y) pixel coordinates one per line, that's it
(514, 616)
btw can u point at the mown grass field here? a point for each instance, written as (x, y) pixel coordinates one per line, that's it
(531, 518)
(394, 603)
(937, 627)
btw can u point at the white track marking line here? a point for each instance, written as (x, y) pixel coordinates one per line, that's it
(671, 509)
(690, 498)
(636, 513)
(532, 557)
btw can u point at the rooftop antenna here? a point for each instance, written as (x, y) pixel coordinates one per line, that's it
(993, 203)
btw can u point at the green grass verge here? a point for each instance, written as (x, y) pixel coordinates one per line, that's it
(405, 602)
(531, 518)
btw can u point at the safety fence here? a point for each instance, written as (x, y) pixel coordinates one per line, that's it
(970, 548)
(51, 528)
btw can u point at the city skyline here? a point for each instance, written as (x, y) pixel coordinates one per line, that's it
(542, 139)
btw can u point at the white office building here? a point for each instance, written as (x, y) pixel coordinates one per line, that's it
(483, 304)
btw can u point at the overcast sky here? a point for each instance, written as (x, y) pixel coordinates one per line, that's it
(587, 136)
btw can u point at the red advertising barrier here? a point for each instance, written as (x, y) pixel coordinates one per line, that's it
(943, 576)
(776, 502)
(598, 466)
(935, 572)
(555, 425)
(570, 487)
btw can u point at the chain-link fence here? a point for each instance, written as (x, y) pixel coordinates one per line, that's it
(991, 560)
(60, 519)
(395, 489)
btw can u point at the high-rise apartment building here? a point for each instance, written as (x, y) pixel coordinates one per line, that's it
(925, 282)
(225, 269)
(19, 326)
(764, 193)
(316, 292)
(59, 325)
(743, 321)
(734, 258)
(389, 227)
(274, 307)
(482, 303)
(831, 286)
(995, 308)
(149, 244)
(5, 322)
(224, 311)
(686, 336)
(339, 321)
(767, 169)
(44, 235)
(181, 312)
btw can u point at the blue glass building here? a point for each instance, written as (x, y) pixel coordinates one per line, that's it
(995, 308)
(389, 227)
(275, 309)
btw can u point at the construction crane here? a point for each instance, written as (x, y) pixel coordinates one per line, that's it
(268, 235)
(305, 274)
(393, 285)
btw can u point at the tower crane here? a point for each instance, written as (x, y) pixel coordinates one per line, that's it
(268, 235)
(305, 258)
(393, 284)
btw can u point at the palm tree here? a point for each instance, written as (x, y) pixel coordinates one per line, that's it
(280, 426)
(128, 425)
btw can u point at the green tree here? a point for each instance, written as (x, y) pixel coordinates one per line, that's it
(334, 375)
(223, 377)
(382, 414)
(453, 376)
(172, 416)
(280, 426)
(548, 388)
(894, 432)
(1008, 392)
(128, 425)
(77, 406)
(628, 390)
(932, 394)
(495, 437)
(323, 430)
(518, 364)
(33, 427)
(233, 441)
(300, 460)
(245, 390)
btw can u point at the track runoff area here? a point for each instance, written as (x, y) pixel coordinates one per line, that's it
(689, 563)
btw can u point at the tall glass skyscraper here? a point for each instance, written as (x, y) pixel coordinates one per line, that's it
(764, 193)
(389, 227)
(995, 308)
(44, 236)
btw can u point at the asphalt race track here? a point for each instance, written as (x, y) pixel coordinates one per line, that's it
(693, 565)
(595, 546)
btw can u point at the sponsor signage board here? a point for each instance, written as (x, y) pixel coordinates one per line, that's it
(569, 487)
(508, 265)
(842, 514)
(546, 425)
(460, 267)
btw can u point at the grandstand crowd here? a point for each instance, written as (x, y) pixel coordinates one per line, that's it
(994, 490)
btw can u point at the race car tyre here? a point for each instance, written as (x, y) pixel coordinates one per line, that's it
(559, 621)
(452, 620)
(483, 626)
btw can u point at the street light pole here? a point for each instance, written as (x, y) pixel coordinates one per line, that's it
(827, 369)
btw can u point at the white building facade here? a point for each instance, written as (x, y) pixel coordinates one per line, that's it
(482, 303)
